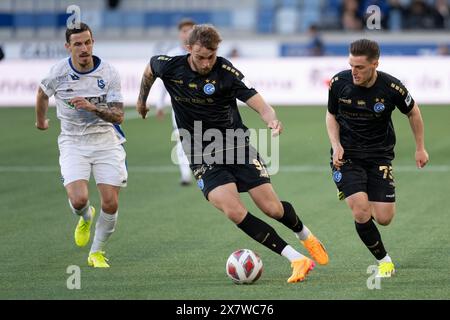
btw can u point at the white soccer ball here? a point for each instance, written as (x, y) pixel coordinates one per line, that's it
(244, 266)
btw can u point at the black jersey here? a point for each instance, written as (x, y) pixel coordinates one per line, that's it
(364, 114)
(210, 99)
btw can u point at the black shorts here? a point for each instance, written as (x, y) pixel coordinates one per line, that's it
(372, 176)
(246, 176)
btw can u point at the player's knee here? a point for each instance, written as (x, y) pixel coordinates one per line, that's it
(235, 213)
(273, 209)
(79, 202)
(384, 221)
(361, 214)
(110, 205)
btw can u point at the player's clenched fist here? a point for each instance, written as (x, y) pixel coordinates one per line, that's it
(42, 125)
(142, 109)
(276, 127)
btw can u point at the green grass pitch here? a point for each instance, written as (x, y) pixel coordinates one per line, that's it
(172, 244)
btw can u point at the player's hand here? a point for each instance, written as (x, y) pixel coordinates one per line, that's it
(422, 158)
(82, 103)
(276, 127)
(160, 114)
(42, 125)
(142, 110)
(338, 156)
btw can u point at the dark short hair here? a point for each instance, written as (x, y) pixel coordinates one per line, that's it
(185, 22)
(70, 31)
(365, 47)
(205, 35)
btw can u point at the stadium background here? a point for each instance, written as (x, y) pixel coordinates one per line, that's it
(170, 243)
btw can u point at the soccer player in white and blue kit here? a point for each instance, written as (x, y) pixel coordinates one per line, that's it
(89, 105)
(184, 27)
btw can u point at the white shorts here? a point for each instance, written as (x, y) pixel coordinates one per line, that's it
(108, 166)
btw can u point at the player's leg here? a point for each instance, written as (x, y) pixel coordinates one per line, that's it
(183, 163)
(77, 192)
(365, 227)
(267, 201)
(381, 194)
(383, 212)
(78, 195)
(106, 224)
(226, 198)
(110, 174)
(75, 173)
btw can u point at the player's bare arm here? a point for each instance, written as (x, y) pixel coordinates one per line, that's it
(333, 135)
(112, 113)
(416, 123)
(146, 84)
(266, 112)
(41, 110)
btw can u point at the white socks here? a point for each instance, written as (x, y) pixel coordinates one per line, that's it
(303, 235)
(103, 229)
(291, 253)
(385, 259)
(83, 212)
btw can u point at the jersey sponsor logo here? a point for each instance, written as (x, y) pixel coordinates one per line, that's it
(337, 176)
(200, 184)
(101, 83)
(361, 103)
(177, 81)
(74, 76)
(408, 99)
(209, 89)
(193, 86)
(346, 101)
(379, 107)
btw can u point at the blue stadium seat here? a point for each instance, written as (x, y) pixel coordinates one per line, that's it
(133, 19)
(198, 16)
(221, 19)
(265, 21)
(24, 20)
(289, 3)
(267, 4)
(157, 19)
(6, 20)
(46, 20)
(112, 19)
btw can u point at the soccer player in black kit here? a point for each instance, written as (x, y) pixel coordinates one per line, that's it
(203, 88)
(361, 101)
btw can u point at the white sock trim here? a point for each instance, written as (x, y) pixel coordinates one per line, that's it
(304, 234)
(84, 212)
(291, 254)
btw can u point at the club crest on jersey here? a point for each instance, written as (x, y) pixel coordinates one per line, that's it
(209, 89)
(200, 184)
(337, 176)
(101, 83)
(379, 107)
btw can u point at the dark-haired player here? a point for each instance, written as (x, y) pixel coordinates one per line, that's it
(361, 101)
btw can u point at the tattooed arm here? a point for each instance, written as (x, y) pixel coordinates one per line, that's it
(112, 113)
(147, 81)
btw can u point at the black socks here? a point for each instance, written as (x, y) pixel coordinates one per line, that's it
(369, 234)
(262, 232)
(290, 218)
